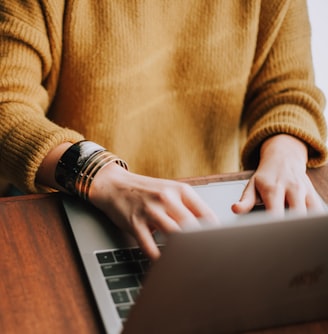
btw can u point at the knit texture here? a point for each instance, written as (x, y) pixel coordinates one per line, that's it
(161, 84)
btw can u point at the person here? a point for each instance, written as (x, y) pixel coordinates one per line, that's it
(175, 89)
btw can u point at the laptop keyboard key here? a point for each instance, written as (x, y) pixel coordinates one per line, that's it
(134, 294)
(120, 297)
(120, 269)
(138, 254)
(123, 311)
(123, 255)
(122, 282)
(105, 257)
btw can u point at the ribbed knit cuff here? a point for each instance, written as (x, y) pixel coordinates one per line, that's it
(26, 147)
(310, 135)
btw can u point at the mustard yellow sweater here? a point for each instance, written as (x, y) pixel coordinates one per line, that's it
(177, 88)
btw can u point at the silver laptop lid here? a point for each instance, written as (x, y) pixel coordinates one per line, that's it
(237, 278)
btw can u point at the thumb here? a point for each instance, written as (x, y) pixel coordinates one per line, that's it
(247, 200)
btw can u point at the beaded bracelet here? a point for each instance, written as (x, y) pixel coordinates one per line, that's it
(79, 164)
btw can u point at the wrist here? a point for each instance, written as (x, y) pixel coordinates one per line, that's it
(285, 145)
(106, 183)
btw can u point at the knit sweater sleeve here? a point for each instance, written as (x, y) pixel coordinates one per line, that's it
(282, 95)
(29, 64)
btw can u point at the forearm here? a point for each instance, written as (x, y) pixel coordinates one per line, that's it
(29, 68)
(282, 96)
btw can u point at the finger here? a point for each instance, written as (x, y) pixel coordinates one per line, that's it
(247, 200)
(304, 198)
(274, 199)
(144, 225)
(161, 220)
(146, 241)
(183, 216)
(198, 207)
(314, 202)
(295, 198)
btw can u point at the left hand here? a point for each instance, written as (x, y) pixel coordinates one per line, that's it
(280, 180)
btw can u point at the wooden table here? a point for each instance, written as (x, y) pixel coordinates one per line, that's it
(43, 288)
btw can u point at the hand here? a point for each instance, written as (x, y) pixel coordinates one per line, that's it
(141, 204)
(280, 180)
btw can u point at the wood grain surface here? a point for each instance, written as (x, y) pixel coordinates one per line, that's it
(42, 289)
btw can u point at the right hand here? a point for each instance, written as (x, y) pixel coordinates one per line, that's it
(141, 204)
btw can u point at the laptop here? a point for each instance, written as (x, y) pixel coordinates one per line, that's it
(256, 271)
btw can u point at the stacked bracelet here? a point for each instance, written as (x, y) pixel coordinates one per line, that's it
(78, 166)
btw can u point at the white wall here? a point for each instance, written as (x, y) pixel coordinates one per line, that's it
(318, 11)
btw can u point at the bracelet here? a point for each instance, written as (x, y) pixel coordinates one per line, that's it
(91, 168)
(79, 164)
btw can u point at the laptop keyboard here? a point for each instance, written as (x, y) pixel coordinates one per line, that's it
(124, 270)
